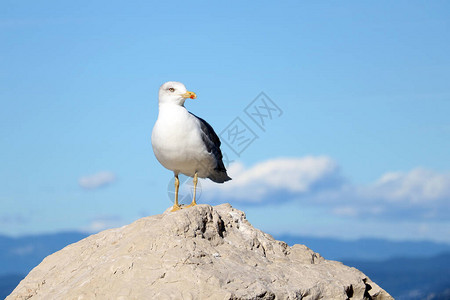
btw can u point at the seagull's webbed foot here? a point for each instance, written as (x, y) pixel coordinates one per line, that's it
(175, 208)
(193, 203)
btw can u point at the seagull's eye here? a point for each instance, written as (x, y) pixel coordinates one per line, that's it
(172, 90)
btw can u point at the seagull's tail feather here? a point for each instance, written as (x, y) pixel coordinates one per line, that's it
(219, 176)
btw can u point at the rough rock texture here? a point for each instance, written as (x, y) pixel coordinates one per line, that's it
(202, 252)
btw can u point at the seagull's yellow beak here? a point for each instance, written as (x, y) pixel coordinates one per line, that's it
(191, 95)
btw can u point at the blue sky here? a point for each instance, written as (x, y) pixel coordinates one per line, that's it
(362, 86)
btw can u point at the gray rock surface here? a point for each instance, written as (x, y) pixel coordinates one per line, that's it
(202, 252)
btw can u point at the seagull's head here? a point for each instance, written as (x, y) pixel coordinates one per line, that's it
(175, 93)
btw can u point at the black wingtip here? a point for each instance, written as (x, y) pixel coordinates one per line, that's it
(220, 177)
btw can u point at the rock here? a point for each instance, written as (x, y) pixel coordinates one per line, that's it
(202, 252)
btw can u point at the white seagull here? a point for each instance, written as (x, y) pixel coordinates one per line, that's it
(185, 143)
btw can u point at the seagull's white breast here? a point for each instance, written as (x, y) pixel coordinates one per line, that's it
(177, 141)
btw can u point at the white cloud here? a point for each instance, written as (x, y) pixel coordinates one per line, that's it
(317, 182)
(295, 176)
(416, 186)
(97, 180)
(419, 193)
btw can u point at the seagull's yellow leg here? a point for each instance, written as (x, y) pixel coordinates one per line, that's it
(195, 189)
(177, 185)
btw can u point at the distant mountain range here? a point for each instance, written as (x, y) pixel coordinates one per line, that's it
(366, 249)
(410, 278)
(19, 255)
(405, 269)
(8, 283)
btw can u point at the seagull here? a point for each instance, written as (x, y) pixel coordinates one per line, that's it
(185, 143)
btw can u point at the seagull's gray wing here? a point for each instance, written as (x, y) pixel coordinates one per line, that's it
(212, 144)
